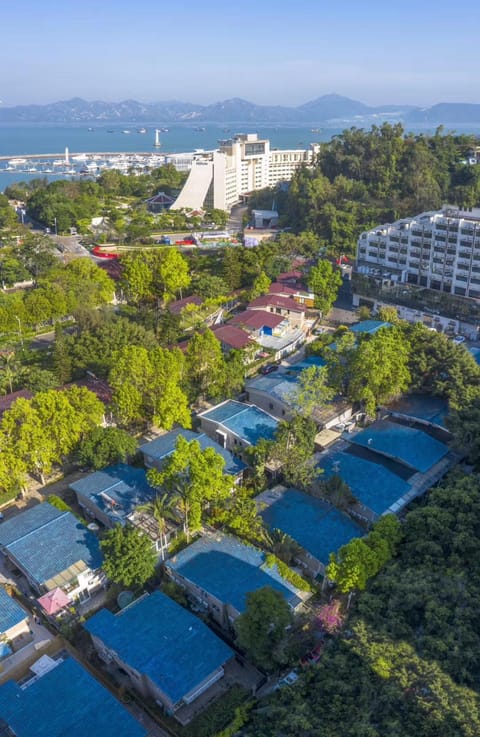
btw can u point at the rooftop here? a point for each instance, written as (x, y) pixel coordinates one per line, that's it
(161, 639)
(419, 406)
(7, 400)
(246, 421)
(232, 336)
(11, 613)
(116, 490)
(176, 307)
(257, 319)
(409, 446)
(375, 486)
(47, 541)
(228, 570)
(65, 701)
(164, 445)
(274, 300)
(318, 527)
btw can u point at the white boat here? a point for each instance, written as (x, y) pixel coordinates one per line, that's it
(141, 130)
(59, 162)
(32, 168)
(126, 131)
(79, 157)
(17, 162)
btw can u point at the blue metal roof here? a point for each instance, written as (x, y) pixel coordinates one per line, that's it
(11, 613)
(246, 421)
(408, 445)
(318, 527)
(66, 701)
(369, 326)
(161, 639)
(421, 406)
(116, 490)
(224, 411)
(47, 542)
(281, 385)
(25, 522)
(371, 483)
(164, 446)
(229, 570)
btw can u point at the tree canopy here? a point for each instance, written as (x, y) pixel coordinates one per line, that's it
(129, 558)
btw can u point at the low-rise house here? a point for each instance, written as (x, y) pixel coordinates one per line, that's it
(156, 452)
(219, 571)
(314, 524)
(234, 338)
(299, 294)
(284, 306)
(111, 495)
(61, 698)
(236, 426)
(168, 654)
(176, 307)
(271, 331)
(52, 548)
(275, 393)
(13, 622)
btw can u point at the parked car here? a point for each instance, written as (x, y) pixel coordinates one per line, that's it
(288, 680)
(459, 339)
(313, 656)
(268, 368)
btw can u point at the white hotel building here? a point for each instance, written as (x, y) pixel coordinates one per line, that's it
(439, 250)
(240, 165)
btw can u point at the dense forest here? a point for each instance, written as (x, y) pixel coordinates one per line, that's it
(366, 177)
(409, 662)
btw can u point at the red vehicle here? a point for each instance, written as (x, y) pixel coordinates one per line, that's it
(313, 656)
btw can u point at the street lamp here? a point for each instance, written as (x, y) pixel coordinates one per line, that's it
(55, 226)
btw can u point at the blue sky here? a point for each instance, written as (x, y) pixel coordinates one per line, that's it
(267, 51)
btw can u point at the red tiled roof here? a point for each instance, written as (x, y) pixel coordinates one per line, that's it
(99, 387)
(232, 336)
(289, 276)
(256, 319)
(7, 400)
(273, 300)
(277, 288)
(176, 307)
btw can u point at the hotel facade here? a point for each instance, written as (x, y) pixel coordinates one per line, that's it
(240, 165)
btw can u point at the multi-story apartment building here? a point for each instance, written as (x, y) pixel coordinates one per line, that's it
(240, 165)
(427, 266)
(439, 250)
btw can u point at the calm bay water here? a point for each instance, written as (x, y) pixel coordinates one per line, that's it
(21, 139)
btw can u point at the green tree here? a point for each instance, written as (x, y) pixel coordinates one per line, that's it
(293, 451)
(105, 446)
(162, 508)
(324, 280)
(172, 274)
(312, 391)
(197, 477)
(261, 285)
(129, 558)
(205, 365)
(261, 627)
(378, 371)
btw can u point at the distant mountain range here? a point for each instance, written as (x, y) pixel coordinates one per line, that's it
(330, 109)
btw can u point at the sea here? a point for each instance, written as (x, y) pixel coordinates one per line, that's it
(34, 138)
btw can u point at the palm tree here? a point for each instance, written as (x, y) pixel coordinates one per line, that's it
(281, 545)
(162, 509)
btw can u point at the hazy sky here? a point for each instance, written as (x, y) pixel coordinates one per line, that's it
(267, 51)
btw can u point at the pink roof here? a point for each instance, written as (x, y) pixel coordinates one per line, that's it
(256, 319)
(99, 387)
(54, 601)
(232, 336)
(273, 300)
(176, 307)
